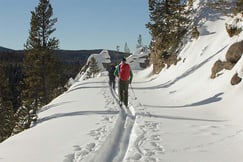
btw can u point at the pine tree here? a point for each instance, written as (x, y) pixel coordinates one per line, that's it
(126, 49)
(190, 3)
(7, 120)
(167, 26)
(40, 67)
(239, 6)
(140, 42)
(227, 7)
(117, 48)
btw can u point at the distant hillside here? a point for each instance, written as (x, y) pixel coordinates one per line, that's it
(5, 49)
(81, 56)
(67, 56)
(73, 60)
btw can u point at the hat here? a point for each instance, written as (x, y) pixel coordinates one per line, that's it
(124, 59)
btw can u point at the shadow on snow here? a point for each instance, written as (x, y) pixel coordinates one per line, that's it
(76, 113)
(209, 100)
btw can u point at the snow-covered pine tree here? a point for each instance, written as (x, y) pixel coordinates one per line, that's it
(239, 6)
(140, 41)
(93, 68)
(168, 21)
(126, 49)
(227, 7)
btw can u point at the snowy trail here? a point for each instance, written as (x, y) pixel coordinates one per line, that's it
(115, 146)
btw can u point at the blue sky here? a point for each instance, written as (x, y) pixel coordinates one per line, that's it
(82, 24)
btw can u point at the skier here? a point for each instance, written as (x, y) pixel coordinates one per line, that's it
(112, 76)
(123, 71)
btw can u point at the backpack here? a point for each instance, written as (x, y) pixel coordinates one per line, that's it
(111, 71)
(124, 71)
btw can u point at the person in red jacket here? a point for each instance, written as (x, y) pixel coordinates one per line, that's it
(124, 72)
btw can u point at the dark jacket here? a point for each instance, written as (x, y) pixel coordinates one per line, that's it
(111, 72)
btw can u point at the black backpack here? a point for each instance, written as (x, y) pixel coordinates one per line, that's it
(111, 71)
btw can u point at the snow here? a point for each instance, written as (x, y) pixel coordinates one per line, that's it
(102, 58)
(139, 57)
(181, 115)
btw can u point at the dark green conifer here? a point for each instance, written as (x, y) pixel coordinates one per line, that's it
(239, 7)
(7, 120)
(167, 26)
(40, 67)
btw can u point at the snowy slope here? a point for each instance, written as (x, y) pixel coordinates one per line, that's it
(197, 118)
(181, 115)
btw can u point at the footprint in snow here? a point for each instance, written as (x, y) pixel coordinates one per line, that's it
(98, 133)
(135, 157)
(90, 146)
(148, 144)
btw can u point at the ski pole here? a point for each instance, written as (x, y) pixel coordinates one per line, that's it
(133, 92)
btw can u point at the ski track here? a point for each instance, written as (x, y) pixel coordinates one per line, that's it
(118, 138)
(115, 147)
(111, 139)
(82, 153)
